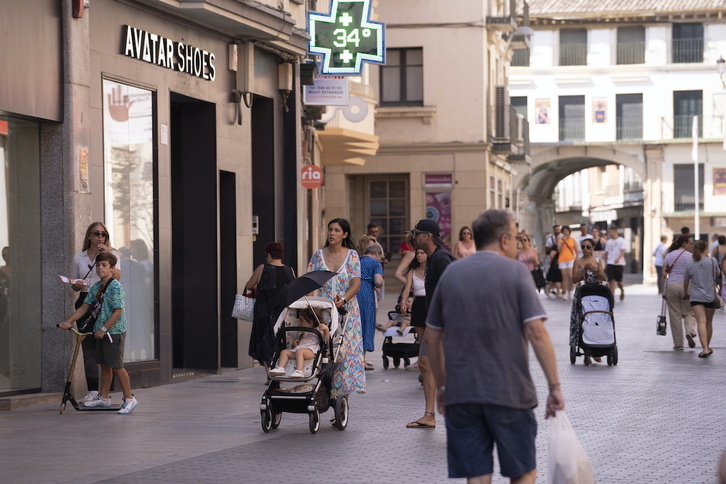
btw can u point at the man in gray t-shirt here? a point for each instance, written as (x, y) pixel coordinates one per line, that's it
(484, 312)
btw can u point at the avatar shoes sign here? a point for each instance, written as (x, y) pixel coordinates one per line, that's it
(177, 56)
(346, 38)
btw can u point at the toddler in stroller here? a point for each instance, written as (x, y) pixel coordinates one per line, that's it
(306, 346)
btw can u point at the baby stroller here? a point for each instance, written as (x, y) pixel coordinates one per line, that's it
(312, 393)
(398, 351)
(592, 325)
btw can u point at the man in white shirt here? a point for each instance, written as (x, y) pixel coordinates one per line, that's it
(659, 253)
(579, 238)
(615, 256)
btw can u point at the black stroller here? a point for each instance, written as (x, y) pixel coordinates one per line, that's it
(592, 325)
(397, 351)
(310, 394)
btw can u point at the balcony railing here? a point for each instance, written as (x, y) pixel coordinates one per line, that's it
(572, 129)
(630, 53)
(628, 128)
(681, 127)
(520, 58)
(573, 54)
(687, 51)
(684, 200)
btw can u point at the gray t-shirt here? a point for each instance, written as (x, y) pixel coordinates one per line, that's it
(702, 276)
(482, 303)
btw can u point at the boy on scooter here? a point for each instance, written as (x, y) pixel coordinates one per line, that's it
(109, 331)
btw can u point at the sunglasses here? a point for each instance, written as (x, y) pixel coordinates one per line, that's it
(100, 234)
(586, 246)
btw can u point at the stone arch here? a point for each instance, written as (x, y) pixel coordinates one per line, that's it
(551, 164)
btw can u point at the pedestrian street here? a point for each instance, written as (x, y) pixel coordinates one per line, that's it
(656, 417)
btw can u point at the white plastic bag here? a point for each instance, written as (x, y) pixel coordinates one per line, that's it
(568, 462)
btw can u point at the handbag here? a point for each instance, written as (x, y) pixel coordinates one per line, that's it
(539, 278)
(661, 327)
(568, 463)
(244, 307)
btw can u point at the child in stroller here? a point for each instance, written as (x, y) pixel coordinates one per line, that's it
(306, 346)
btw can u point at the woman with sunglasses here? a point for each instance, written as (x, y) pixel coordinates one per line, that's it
(586, 270)
(465, 246)
(84, 273)
(527, 254)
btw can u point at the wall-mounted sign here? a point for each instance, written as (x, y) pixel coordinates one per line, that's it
(346, 38)
(438, 181)
(177, 56)
(311, 177)
(327, 91)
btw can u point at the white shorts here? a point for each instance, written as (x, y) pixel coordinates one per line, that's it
(566, 265)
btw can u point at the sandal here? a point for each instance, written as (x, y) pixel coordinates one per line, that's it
(704, 355)
(368, 367)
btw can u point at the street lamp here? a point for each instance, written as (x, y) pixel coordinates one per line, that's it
(721, 66)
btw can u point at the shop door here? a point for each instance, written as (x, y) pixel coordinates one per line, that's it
(194, 277)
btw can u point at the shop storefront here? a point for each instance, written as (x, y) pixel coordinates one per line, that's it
(184, 140)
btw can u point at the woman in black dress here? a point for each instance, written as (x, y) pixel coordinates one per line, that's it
(270, 280)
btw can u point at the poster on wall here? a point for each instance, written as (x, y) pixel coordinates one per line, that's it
(542, 107)
(719, 181)
(438, 209)
(599, 110)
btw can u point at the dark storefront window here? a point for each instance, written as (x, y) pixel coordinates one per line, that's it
(20, 267)
(128, 132)
(388, 206)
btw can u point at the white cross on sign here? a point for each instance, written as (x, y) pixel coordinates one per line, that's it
(346, 56)
(345, 19)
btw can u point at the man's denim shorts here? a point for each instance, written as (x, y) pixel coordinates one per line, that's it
(471, 431)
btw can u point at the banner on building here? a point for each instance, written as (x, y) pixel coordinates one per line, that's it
(600, 110)
(719, 181)
(542, 107)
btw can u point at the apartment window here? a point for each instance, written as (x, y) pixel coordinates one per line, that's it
(492, 192)
(631, 45)
(500, 194)
(402, 78)
(572, 118)
(519, 103)
(687, 44)
(520, 58)
(388, 208)
(573, 47)
(687, 104)
(684, 192)
(629, 113)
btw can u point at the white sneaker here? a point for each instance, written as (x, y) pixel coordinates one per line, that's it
(277, 371)
(91, 396)
(129, 405)
(297, 374)
(100, 402)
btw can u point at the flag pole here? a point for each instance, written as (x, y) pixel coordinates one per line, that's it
(694, 156)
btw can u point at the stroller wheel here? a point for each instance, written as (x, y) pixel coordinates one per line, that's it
(406, 362)
(314, 421)
(396, 362)
(615, 356)
(341, 412)
(385, 363)
(573, 355)
(266, 420)
(276, 419)
(587, 360)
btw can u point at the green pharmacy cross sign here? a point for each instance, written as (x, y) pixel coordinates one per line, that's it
(346, 38)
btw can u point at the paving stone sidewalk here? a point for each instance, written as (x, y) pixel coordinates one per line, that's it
(656, 417)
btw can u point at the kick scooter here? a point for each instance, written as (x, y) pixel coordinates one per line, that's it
(67, 396)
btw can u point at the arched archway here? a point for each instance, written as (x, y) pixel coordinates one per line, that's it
(552, 164)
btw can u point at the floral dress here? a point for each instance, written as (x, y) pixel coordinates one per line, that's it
(350, 375)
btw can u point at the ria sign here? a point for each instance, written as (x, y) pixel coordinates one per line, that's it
(346, 38)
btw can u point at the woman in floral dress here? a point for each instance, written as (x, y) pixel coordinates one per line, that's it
(339, 255)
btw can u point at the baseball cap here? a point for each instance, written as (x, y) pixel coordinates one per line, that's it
(430, 227)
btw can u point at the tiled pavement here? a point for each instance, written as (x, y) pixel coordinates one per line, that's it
(659, 416)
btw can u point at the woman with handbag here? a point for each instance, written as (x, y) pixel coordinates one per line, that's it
(679, 310)
(269, 280)
(84, 275)
(699, 286)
